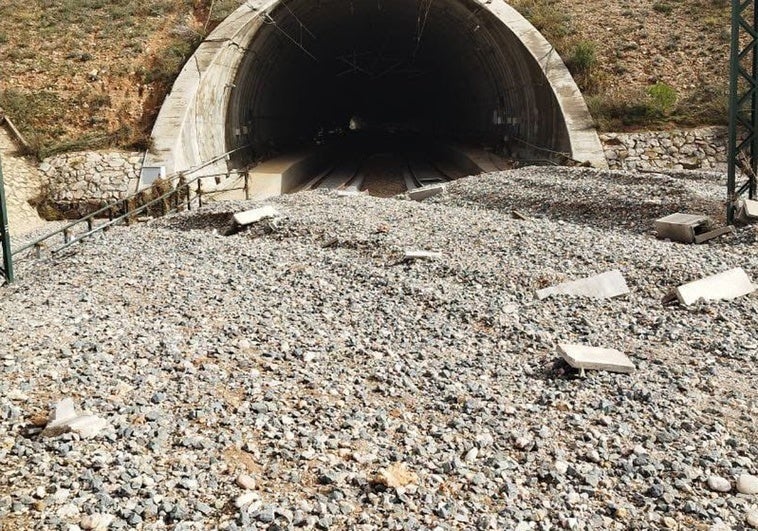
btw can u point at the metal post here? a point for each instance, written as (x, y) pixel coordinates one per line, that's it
(247, 184)
(5, 235)
(743, 104)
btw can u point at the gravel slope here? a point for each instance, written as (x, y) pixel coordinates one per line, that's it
(310, 368)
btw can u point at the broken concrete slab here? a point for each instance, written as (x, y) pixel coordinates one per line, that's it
(350, 192)
(421, 255)
(585, 357)
(722, 286)
(255, 215)
(715, 233)
(604, 286)
(64, 419)
(681, 227)
(750, 208)
(425, 192)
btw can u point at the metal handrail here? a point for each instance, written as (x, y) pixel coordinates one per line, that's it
(182, 188)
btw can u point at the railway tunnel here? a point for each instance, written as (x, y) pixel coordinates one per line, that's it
(278, 76)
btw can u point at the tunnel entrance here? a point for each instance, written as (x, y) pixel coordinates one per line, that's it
(281, 74)
(447, 70)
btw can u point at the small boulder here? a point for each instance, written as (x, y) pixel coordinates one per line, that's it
(747, 484)
(719, 484)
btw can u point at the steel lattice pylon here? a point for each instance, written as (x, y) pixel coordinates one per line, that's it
(743, 105)
(5, 237)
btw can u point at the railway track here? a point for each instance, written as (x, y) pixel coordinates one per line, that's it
(384, 173)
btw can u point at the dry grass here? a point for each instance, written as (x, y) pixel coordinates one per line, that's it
(83, 74)
(622, 53)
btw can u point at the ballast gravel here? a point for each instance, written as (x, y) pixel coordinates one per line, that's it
(301, 375)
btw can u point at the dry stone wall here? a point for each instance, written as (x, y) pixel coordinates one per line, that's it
(83, 181)
(703, 148)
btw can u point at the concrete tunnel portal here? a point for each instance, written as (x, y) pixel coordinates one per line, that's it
(277, 76)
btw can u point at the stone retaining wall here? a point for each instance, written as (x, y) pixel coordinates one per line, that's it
(80, 182)
(704, 148)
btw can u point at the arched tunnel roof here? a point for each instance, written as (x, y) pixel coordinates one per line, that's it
(275, 72)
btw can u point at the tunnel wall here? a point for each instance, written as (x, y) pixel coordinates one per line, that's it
(211, 106)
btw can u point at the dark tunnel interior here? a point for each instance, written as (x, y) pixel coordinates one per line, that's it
(444, 69)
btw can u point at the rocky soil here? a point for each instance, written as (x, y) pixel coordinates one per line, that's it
(297, 375)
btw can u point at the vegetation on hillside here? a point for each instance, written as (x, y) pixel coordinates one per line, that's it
(642, 64)
(83, 74)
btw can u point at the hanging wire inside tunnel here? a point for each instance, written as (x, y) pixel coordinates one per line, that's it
(268, 19)
(424, 6)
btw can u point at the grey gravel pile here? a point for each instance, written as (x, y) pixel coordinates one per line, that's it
(301, 356)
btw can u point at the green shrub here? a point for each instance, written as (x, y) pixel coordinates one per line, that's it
(582, 58)
(663, 7)
(662, 98)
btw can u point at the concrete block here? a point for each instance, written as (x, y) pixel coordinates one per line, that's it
(606, 359)
(255, 215)
(604, 286)
(64, 419)
(722, 286)
(681, 227)
(421, 255)
(425, 192)
(751, 208)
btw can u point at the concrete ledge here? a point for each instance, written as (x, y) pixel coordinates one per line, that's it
(286, 173)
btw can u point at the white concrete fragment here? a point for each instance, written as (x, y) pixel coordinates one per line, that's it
(722, 286)
(586, 357)
(604, 286)
(425, 192)
(255, 215)
(747, 484)
(680, 227)
(751, 208)
(64, 419)
(350, 192)
(421, 255)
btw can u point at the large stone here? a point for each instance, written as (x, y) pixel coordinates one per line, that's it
(96, 522)
(585, 357)
(395, 476)
(255, 215)
(722, 286)
(604, 286)
(719, 484)
(747, 484)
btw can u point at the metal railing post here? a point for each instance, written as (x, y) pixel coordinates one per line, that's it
(5, 235)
